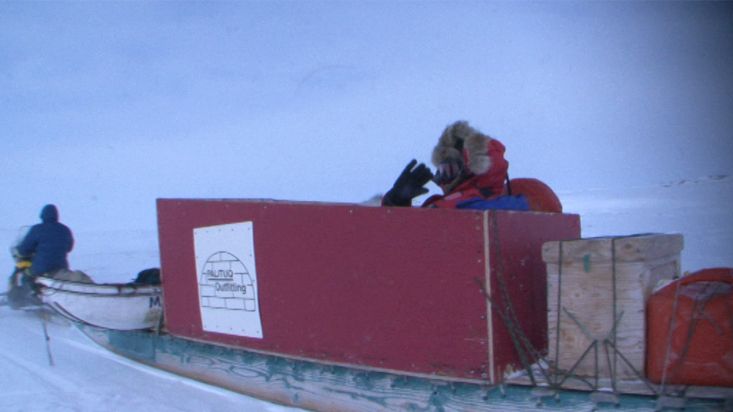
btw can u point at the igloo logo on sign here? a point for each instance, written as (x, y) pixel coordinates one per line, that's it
(227, 279)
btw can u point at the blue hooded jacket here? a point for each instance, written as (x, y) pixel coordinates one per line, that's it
(47, 243)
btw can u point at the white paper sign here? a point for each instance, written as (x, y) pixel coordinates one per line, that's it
(227, 279)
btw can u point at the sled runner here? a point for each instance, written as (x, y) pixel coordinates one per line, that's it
(322, 387)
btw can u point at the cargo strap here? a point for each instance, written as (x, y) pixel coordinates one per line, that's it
(525, 350)
(698, 313)
(608, 343)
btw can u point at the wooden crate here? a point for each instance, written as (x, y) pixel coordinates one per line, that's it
(589, 279)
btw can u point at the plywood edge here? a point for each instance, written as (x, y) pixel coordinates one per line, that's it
(489, 309)
(630, 248)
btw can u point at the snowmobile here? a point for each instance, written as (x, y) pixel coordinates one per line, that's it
(21, 292)
(21, 288)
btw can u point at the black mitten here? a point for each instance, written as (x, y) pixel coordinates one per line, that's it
(408, 185)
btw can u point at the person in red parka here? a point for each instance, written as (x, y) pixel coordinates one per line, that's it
(471, 171)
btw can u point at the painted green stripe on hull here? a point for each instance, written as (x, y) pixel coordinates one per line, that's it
(310, 385)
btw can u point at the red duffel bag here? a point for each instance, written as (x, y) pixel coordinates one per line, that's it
(690, 330)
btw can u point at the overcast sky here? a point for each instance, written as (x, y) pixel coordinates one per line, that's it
(109, 105)
(106, 106)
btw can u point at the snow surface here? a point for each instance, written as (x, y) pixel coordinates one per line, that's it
(86, 377)
(623, 107)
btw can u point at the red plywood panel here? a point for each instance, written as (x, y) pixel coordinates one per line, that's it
(515, 242)
(388, 288)
(346, 284)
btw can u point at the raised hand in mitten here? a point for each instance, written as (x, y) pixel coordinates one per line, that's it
(408, 185)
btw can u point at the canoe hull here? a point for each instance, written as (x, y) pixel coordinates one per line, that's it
(112, 306)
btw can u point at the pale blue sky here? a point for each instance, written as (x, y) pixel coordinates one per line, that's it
(109, 105)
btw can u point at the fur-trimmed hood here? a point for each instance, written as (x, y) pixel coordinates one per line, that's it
(465, 144)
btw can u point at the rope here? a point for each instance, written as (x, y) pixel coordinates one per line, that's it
(613, 368)
(611, 352)
(628, 363)
(42, 315)
(569, 373)
(698, 312)
(508, 302)
(511, 328)
(519, 339)
(557, 308)
(48, 291)
(669, 336)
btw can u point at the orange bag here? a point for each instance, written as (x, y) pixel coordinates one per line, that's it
(690, 330)
(540, 196)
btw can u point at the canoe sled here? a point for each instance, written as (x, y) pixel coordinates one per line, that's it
(113, 306)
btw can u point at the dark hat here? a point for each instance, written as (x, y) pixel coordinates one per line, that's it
(49, 213)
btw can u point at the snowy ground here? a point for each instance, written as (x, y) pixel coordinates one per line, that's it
(85, 377)
(697, 208)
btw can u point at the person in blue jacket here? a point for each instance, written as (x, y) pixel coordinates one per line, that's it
(47, 243)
